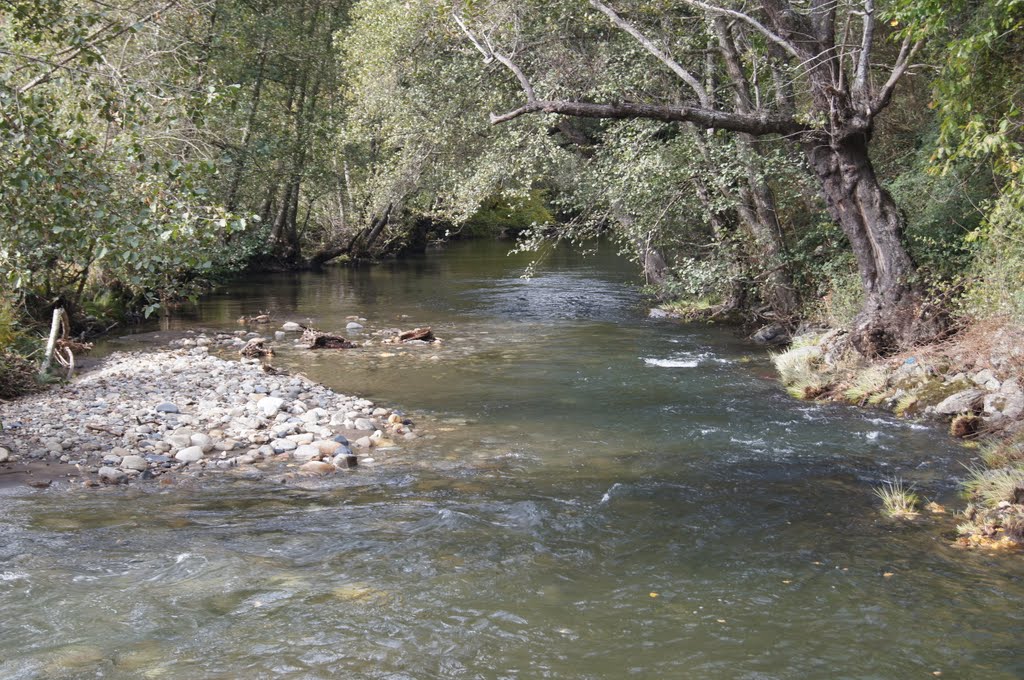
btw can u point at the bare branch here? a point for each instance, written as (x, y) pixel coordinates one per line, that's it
(752, 123)
(668, 61)
(747, 19)
(907, 52)
(518, 72)
(866, 43)
(490, 54)
(488, 57)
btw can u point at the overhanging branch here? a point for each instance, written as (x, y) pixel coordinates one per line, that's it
(755, 124)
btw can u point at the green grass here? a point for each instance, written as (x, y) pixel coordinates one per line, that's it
(898, 499)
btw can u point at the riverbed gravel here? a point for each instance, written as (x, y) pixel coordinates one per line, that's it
(142, 415)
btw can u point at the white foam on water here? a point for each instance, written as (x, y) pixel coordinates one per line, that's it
(11, 576)
(672, 363)
(608, 494)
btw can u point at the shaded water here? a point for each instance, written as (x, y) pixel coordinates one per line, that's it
(600, 496)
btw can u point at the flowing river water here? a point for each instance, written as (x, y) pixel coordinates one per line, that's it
(597, 495)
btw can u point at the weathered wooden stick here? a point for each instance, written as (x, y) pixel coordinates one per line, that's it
(54, 329)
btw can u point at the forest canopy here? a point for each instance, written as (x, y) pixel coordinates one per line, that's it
(855, 164)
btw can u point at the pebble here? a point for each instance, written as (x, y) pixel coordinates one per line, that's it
(134, 463)
(282, 445)
(353, 326)
(133, 402)
(364, 424)
(306, 452)
(291, 327)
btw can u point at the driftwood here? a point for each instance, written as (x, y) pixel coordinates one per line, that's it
(62, 349)
(314, 339)
(256, 348)
(424, 334)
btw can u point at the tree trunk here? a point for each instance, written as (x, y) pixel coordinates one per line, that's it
(250, 122)
(757, 202)
(893, 315)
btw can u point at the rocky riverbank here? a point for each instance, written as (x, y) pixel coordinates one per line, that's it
(972, 382)
(143, 416)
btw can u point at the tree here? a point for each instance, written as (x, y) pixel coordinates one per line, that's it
(978, 95)
(827, 93)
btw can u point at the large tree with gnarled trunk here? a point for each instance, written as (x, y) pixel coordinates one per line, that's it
(824, 61)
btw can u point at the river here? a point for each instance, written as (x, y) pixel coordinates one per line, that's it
(597, 495)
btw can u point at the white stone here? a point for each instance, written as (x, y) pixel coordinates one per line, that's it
(364, 424)
(5, 455)
(203, 441)
(291, 327)
(189, 455)
(270, 405)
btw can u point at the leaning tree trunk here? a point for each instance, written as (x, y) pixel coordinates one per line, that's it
(893, 314)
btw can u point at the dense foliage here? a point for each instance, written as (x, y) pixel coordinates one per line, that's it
(146, 146)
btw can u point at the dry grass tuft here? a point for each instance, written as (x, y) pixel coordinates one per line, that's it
(992, 487)
(898, 499)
